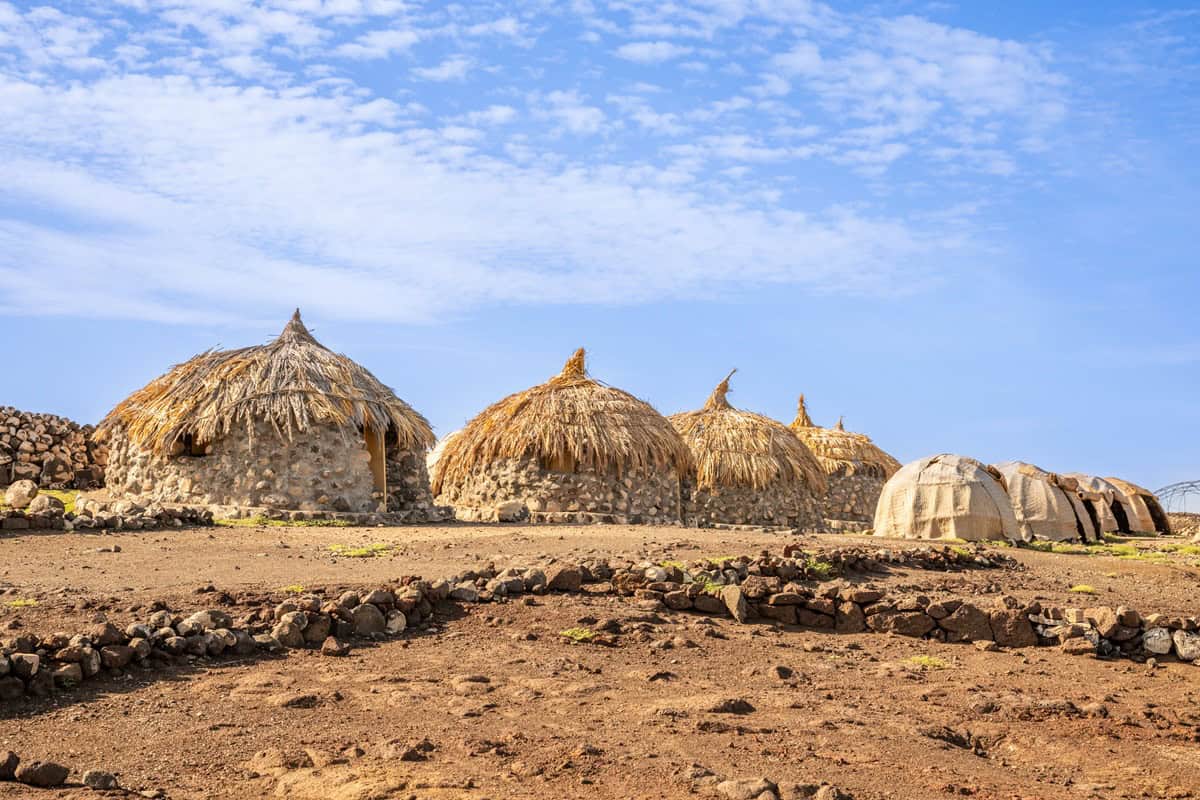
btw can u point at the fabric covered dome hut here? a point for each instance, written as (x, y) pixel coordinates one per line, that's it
(568, 450)
(285, 425)
(946, 497)
(1114, 511)
(748, 469)
(855, 468)
(435, 454)
(1047, 506)
(1148, 514)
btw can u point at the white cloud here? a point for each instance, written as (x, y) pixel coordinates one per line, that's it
(452, 69)
(379, 44)
(492, 115)
(569, 109)
(651, 52)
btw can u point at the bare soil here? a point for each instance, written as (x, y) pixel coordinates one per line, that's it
(496, 704)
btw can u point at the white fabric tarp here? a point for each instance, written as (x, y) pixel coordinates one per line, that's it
(1091, 485)
(1042, 508)
(1142, 520)
(945, 497)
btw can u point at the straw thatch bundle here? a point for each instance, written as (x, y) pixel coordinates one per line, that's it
(946, 497)
(570, 423)
(1047, 505)
(741, 449)
(1148, 514)
(840, 452)
(293, 383)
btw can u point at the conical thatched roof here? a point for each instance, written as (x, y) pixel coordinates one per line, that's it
(839, 451)
(569, 422)
(736, 448)
(292, 383)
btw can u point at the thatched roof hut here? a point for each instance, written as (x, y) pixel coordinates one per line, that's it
(288, 401)
(1148, 514)
(946, 497)
(571, 425)
(1046, 505)
(748, 468)
(840, 452)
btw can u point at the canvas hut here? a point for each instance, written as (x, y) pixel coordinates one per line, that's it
(284, 425)
(1114, 511)
(748, 469)
(568, 450)
(1047, 506)
(855, 468)
(946, 497)
(1147, 515)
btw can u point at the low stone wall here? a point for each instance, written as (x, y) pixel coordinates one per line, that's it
(781, 506)
(92, 515)
(319, 470)
(853, 498)
(514, 490)
(51, 451)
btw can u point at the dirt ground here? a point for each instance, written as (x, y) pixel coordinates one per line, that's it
(493, 703)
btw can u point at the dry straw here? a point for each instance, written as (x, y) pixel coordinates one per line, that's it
(839, 451)
(570, 423)
(293, 383)
(741, 449)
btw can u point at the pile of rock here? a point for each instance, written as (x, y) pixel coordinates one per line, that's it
(29, 508)
(48, 774)
(53, 452)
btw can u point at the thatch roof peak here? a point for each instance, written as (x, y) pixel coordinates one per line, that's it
(292, 383)
(570, 422)
(803, 420)
(717, 398)
(841, 424)
(840, 450)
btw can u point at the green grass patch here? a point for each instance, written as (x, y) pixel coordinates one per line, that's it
(926, 662)
(1062, 548)
(1082, 588)
(679, 565)
(295, 588)
(821, 570)
(22, 602)
(266, 522)
(65, 496)
(962, 551)
(361, 551)
(578, 635)
(721, 559)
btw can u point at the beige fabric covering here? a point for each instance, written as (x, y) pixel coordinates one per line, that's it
(945, 497)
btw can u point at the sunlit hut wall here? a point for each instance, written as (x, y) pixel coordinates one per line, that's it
(748, 469)
(1114, 511)
(568, 450)
(855, 469)
(1148, 515)
(287, 425)
(1047, 506)
(946, 497)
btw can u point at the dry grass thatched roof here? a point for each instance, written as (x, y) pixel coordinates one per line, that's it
(292, 382)
(571, 422)
(839, 451)
(737, 448)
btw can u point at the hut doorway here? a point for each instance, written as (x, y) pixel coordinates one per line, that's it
(378, 452)
(1161, 524)
(1122, 518)
(1090, 508)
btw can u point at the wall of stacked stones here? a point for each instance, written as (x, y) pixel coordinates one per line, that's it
(782, 505)
(51, 451)
(853, 497)
(498, 492)
(319, 470)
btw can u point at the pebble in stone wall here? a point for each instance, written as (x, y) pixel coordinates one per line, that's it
(319, 470)
(511, 490)
(51, 451)
(785, 506)
(853, 497)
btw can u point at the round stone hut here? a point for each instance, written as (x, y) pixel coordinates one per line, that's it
(946, 497)
(855, 469)
(568, 450)
(748, 469)
(285, 425)
(1047, 506)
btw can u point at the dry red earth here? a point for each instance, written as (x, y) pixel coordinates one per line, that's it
(511, 709)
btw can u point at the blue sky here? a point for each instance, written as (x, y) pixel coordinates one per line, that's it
(968, 228)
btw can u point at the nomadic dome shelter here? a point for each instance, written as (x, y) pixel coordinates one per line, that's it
(284, 425)
(946, 497)
(1114, 511)
(1047, 506)
(854, 467)
(1148, 514)
(568, 450)
(748, 469)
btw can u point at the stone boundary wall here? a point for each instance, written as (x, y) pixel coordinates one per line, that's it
(519, 490)
(784, 590)
(53, 452)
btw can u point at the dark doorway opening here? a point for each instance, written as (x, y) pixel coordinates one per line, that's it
(1122, 518)
(1161, 523)
(1090, 507)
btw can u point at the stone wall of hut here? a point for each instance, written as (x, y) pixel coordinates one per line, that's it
(853, 498)
(517, 489)
(782, 505)
(319, 470)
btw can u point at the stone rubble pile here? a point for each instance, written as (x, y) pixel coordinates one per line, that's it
(788, 590)
(49, 775)
(53, 452)
(28, 508)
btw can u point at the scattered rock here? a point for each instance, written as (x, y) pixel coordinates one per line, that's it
(45, 774)
(97, 779)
